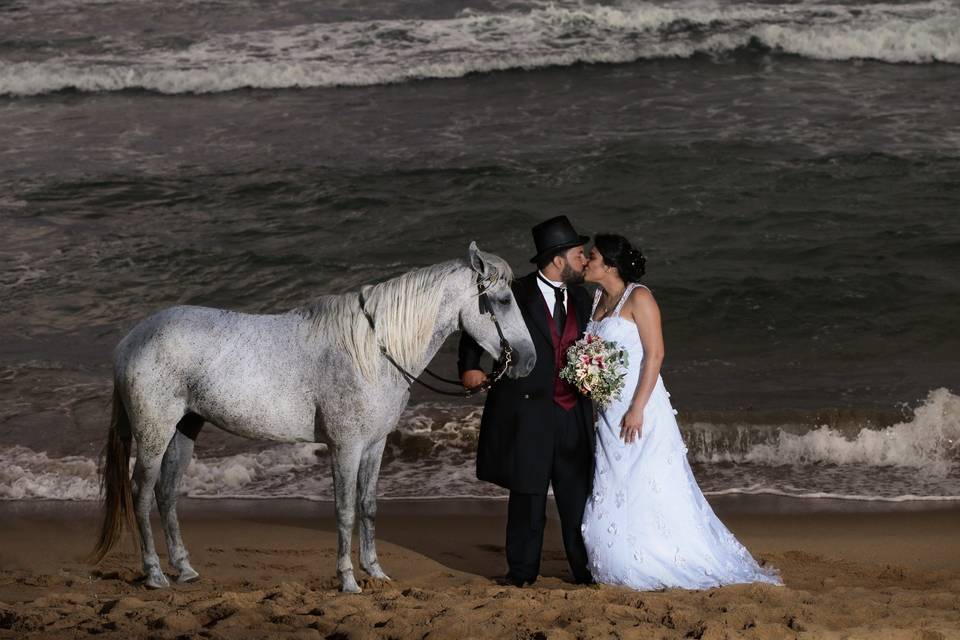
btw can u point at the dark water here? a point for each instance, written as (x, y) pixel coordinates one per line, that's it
(792, 176)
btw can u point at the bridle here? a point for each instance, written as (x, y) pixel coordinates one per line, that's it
(502, 364)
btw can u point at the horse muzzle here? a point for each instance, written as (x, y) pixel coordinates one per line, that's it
(522, 363)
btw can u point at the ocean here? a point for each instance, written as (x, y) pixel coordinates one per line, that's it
(790, 169)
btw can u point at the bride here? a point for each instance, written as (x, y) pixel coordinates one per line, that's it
(647, 525)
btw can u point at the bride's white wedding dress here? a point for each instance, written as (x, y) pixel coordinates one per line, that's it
(647, 524)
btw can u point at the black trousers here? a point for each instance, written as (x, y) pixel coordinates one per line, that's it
(571, 476)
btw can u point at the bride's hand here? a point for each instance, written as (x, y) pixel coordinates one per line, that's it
(631, 427)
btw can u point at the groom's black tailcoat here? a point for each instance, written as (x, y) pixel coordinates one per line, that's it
(527, 440)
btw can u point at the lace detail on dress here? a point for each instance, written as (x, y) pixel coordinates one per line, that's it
(596, 301)
(616, 310)
(623, 298)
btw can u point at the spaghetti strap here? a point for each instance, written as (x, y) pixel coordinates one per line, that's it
(623, 298)
(596, 301)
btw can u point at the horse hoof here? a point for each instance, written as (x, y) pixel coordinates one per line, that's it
(188, 575)
(376, 572)
(156, 580)
(348, 584)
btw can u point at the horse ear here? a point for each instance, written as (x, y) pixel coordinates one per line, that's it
(476, 259)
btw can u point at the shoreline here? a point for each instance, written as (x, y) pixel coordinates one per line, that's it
(913, 534)
(723, 504)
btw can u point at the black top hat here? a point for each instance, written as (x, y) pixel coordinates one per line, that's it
(553, 234)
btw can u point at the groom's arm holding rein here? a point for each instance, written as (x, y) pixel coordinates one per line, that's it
(468, 362)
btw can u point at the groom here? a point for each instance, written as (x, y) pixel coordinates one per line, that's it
(538, 430)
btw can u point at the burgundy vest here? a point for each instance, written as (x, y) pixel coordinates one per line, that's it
(564, 393)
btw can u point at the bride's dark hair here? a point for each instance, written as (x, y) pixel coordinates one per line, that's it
(617, 252)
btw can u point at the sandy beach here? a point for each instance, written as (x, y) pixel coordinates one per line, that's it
(267, 567)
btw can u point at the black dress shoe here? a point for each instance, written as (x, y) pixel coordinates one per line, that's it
(512, 581)
(584, 578)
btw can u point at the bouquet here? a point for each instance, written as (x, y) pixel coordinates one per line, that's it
(597, 368)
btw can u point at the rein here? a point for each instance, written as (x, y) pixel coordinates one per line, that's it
(506, 351)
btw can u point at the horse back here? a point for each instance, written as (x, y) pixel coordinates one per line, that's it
(250, 374)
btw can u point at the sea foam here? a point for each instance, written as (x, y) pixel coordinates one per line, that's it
(431, 456)
(389, 51)
(928, 441)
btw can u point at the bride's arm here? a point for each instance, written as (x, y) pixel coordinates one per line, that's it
(643, 310)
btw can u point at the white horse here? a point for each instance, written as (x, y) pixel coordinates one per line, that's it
(317, 374)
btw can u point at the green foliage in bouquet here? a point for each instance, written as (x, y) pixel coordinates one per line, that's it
(597, 368)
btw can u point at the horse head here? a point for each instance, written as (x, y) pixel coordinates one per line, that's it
(493, 313)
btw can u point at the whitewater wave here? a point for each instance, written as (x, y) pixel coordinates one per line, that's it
(928, 441)
(431, 455)
(27, 474)
(390, 51)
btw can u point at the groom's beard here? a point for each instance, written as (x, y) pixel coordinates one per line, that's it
(570, 277)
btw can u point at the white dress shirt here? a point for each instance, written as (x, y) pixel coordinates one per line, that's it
(548, 295)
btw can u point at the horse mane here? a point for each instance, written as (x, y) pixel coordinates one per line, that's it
(404, 310)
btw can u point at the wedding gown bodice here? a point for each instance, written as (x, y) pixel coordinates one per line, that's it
(624, 332)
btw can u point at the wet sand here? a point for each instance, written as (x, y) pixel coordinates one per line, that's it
(268, 570)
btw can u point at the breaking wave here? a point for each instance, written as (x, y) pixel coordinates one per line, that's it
(928, 441)
(390, 51)
(431, 456)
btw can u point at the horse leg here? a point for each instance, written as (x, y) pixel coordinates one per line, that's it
(175, 462)
(367, 506)
(145, 474)
(346, 462)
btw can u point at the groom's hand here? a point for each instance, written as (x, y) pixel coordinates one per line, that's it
(473, 378)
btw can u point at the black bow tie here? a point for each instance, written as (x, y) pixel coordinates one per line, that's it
(559, 309)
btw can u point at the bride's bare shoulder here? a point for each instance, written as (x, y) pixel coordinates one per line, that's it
(641, 301)
(641, 293)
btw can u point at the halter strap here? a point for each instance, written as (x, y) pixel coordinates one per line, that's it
(626, 294)
(623, 298)
(596, 301)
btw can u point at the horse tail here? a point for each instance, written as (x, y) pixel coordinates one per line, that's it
(115, 485)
